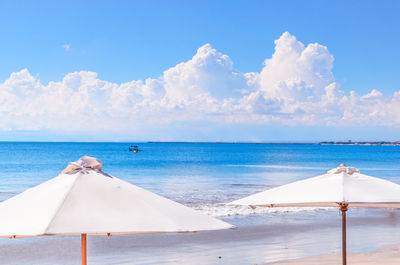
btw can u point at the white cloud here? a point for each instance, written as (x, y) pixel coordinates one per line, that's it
(66, 47)
(295, 87)
(208, 74)
(373, 95)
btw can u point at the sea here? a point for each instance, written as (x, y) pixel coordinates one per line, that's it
(205, 176)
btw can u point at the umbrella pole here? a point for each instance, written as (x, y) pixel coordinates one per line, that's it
(83, 243)
(343, 208)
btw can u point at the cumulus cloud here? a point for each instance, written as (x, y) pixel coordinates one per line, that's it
(296, 86)
(295, 72)
(209, 74)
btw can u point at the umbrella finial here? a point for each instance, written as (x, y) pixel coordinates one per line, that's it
(83, 164)
(343, 168)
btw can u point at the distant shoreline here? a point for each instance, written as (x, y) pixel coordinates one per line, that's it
(361, 143)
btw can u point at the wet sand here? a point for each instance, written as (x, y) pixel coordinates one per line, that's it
(258, 240)
(388, 256)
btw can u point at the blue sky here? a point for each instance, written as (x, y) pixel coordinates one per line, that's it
(123, 41)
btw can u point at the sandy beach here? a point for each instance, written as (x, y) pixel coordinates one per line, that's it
(389, 256)
(247, 245)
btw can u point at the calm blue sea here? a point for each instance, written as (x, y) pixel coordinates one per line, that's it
(206, 175)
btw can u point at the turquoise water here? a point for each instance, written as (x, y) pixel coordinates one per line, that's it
(204, 176)
(194, 173)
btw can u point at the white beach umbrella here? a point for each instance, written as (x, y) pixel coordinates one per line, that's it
(83, 201)
(341, 187)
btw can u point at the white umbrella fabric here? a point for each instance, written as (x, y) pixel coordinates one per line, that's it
(341, 187)
(83, 201)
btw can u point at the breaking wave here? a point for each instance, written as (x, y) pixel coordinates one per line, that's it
(221, 210)
(282, 167)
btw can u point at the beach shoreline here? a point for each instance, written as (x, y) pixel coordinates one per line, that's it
(388, 255)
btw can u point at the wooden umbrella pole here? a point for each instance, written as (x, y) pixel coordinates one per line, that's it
(83, 243)
(343, 208)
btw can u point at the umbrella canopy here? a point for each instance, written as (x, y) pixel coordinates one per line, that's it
(84, 200)
(341, 187)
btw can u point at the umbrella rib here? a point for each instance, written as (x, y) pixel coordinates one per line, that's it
(61, 204)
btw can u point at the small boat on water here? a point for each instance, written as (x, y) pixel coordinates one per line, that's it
(134, 148)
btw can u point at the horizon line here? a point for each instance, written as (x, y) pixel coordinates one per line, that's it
(331, 142)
